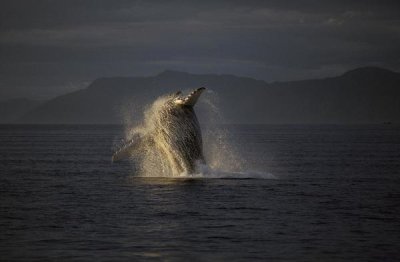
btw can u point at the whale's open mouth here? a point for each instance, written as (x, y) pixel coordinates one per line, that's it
(191, 99)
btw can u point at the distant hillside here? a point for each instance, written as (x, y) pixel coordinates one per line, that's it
(364, 95)
(13, 109)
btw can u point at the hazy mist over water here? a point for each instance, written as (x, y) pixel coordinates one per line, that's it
(334, 195)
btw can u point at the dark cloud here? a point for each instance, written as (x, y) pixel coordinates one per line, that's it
(50, 47)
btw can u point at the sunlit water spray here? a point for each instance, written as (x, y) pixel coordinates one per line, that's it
(156, 154)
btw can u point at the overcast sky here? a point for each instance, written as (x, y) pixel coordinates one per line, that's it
(52, 47)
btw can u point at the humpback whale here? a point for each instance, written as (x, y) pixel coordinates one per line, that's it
(170, 135)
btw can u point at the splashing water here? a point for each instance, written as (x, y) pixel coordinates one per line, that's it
(156, 154)
(222, 155)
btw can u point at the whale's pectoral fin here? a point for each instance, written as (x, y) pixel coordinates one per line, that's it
(128, 148)
(191, 99)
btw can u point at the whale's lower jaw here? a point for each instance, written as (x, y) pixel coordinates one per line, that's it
(179, 137)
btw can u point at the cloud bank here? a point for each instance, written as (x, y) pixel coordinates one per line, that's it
(48, 47)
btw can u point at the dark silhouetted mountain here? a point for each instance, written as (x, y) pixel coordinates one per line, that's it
(13, 109)
(363, 95)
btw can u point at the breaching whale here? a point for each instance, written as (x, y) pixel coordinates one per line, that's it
(171, 131)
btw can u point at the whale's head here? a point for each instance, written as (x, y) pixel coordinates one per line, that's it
(171, 127)
(190, 99)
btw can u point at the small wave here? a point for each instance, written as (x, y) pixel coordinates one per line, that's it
(205, 171)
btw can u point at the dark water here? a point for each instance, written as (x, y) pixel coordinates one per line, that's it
(336, 197)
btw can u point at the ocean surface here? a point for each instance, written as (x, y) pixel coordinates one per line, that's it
(308, 193)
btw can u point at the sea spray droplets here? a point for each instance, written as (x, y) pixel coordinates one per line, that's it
(219, 149)
(154, 158)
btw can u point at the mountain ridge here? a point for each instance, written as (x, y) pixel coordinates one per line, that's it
(362, 95)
